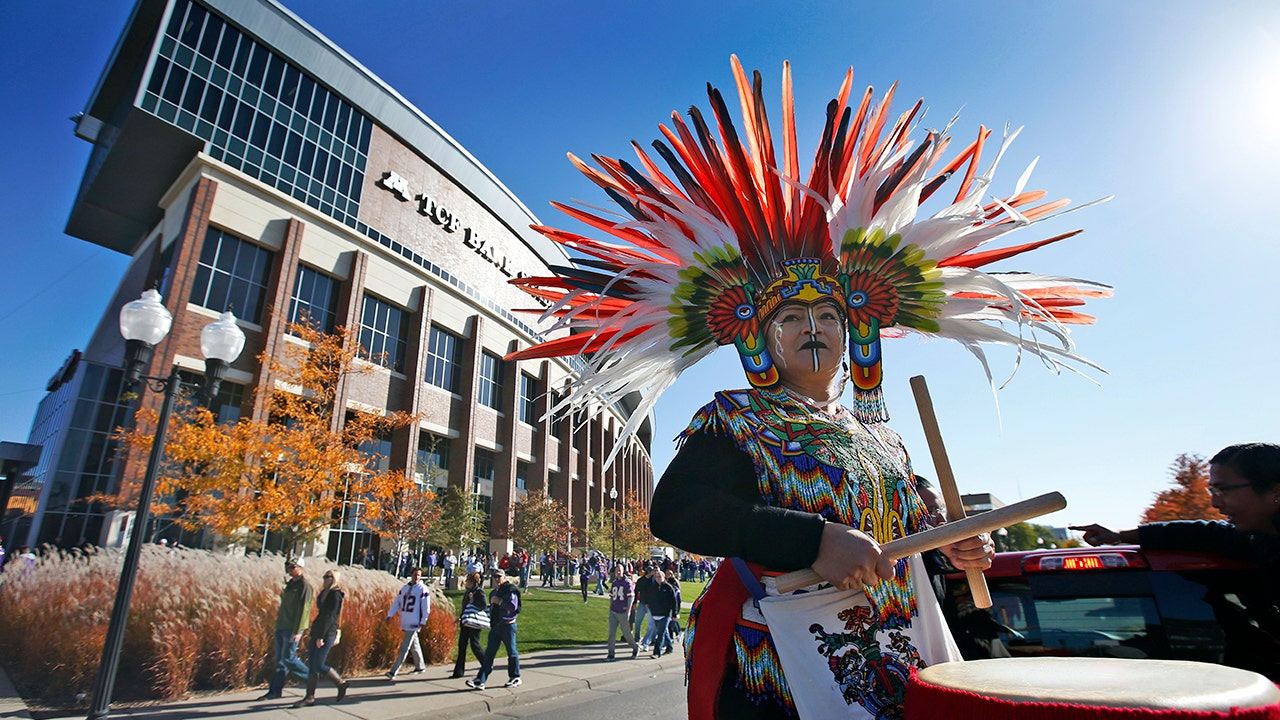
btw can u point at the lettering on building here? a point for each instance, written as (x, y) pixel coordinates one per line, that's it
(431, 208)
(396, 184)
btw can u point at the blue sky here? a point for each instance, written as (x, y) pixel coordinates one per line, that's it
(1173, 107)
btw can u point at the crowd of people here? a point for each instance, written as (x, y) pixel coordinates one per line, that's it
(644, 603)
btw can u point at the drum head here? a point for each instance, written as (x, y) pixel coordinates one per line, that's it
(1106, 682)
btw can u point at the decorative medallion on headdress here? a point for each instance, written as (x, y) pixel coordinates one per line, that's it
(717, 240)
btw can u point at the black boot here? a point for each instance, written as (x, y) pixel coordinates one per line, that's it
(339, 683)
(310, 697)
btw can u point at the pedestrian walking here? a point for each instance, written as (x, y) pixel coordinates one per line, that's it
(665, 638)
(291, 620)
(413, 605)
(644, 588)
(323, 636)
(661, 603)
(522, 556)
(504, 608)
(622, 592)
(600, 571)
(448, 562)
(474, 619)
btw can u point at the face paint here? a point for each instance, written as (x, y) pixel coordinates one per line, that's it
(813, 333)
(816, 329)
(780, 352)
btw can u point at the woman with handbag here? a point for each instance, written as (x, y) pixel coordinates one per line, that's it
(474, 618)
(324, 634)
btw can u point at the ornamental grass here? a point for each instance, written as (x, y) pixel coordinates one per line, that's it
(199, 622)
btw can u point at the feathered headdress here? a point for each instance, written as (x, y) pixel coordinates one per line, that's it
(716, 241)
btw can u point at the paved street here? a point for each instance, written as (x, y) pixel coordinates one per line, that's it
(652, 697)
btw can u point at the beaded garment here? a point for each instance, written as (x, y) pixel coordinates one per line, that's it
(849, 472)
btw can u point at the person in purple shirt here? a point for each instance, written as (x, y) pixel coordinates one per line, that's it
(504, 608)
(622, 592)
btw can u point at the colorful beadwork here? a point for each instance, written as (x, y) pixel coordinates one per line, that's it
(850, 473)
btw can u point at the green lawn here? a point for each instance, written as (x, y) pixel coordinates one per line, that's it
(689, 591)
(551, 620)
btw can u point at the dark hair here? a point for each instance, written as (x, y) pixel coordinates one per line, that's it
(923, 482)
(1256, 462)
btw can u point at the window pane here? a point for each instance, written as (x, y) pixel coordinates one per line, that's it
(232, 275)
(444, 360)
(384, 333)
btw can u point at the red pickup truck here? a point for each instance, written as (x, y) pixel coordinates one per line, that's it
(1119, 601)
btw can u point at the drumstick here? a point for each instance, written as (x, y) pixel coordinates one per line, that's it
(947, 481)
(945, 535)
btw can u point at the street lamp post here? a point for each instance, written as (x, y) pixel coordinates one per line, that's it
(613, 502)
(143, 323)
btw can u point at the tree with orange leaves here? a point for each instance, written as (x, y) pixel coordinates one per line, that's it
(405, 512)
(292, 473)
(1189, 498)
(634, 536)
(539, 523)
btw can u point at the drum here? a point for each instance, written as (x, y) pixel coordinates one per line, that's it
(1058, 688)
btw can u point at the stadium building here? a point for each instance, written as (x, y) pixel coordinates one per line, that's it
(246, 163)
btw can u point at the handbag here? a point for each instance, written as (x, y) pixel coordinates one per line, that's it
(474, 617)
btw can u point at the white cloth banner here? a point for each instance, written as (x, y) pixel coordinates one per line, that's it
(838, 661)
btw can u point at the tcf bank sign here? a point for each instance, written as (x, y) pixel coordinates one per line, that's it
(443, 217)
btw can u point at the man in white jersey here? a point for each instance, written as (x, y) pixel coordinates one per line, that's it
(413, 604)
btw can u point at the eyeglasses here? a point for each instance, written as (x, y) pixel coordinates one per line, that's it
(328, 576)
(1220, 490)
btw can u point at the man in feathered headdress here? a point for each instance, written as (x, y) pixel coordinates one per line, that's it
(804, 278)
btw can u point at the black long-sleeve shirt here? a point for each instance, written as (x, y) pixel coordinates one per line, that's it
(330, 611)
(1250, 615)
(708, 502)
(663, 601)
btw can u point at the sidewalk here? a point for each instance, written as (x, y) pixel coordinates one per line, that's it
(427, 695)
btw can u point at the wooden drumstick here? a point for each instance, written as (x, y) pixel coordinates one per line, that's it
(947, 481)
(944, 535)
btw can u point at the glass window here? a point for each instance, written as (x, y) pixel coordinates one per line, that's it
(433, 461)
(483, 474)
(225, 406)
(195, 22)
(227, 403)
(315, 300)
(377, 451)
(87, 464)
(165, 269)
(212, 33)
(522, 475)
(269, 88)
(444, 360)
(528, 396)
(384, 333)
(232, 275)
(489, 392)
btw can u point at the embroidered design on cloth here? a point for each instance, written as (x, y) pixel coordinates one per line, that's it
(705, 247)
(868, 675)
